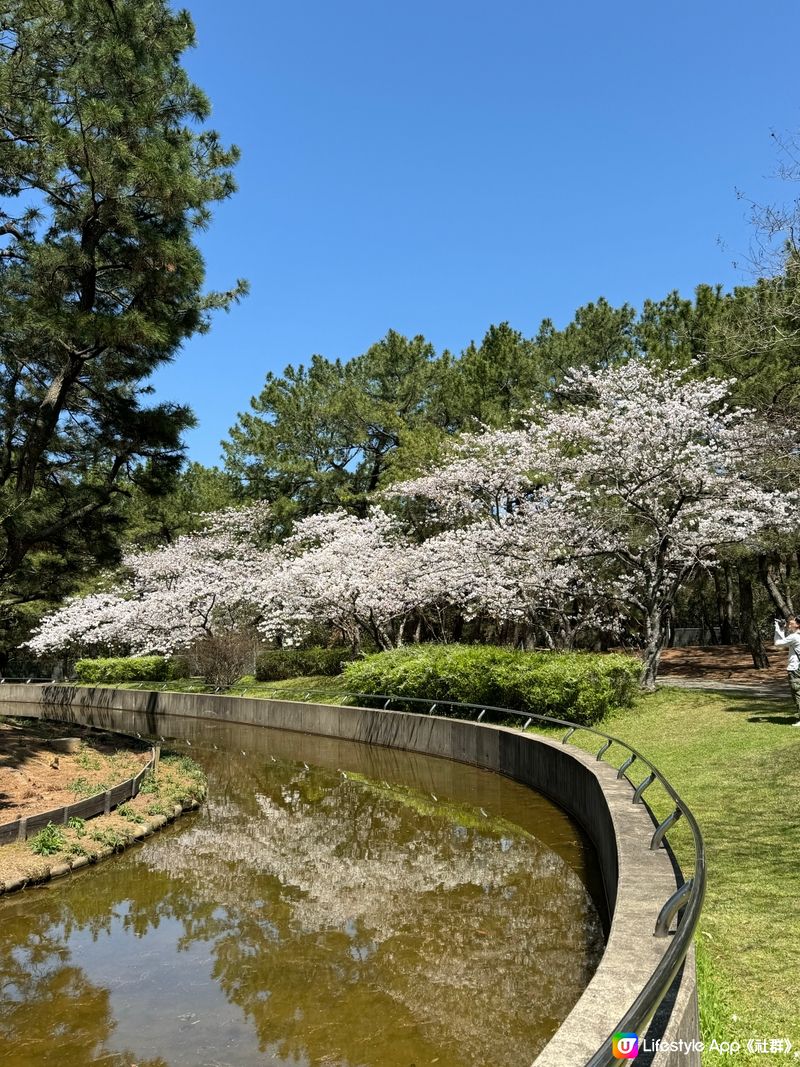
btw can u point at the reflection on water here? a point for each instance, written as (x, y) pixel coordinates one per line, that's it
(331, 904)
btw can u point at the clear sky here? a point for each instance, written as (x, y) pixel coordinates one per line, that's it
(437, 167)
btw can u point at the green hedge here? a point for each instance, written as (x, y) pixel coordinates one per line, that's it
(580, 686)
(178, 666)
(123, 669)
(275, 664)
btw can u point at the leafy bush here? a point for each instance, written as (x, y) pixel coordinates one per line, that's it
(148, 783)
(130, 813)
(82, 787)
(88, 759)
(123, 669)
(113, 838)
(579, 686)
(48, 841)
(178, 667)
(278, 663)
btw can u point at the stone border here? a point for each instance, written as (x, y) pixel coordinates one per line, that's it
(138, 833)
(637, 881)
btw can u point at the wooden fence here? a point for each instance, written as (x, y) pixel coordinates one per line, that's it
(99, 804)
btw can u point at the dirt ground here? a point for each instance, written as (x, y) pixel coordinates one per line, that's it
(35, 778)
(722, 663)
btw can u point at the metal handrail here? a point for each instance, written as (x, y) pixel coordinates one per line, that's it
(687, 901)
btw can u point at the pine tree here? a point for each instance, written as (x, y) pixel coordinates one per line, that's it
(106, 174)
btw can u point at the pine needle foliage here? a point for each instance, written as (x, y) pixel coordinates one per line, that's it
(107, 172)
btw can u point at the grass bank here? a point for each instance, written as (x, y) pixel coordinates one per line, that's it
(179, 785)
(318, 687)
(736, 762)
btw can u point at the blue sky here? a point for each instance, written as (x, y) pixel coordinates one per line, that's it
(436, 167)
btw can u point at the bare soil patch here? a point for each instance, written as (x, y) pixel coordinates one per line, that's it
(722, 663)
(179, 785)
(35, 777)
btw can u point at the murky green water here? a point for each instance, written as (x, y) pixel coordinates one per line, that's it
(331, 904)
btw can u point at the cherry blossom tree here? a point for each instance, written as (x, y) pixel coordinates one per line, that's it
(622, 492)
(661, 474)
(589, 517)
(202, 585)
(355, 576)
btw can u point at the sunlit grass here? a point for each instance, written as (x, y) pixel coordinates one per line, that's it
(318, 687)
(736, 762)
(314, 687)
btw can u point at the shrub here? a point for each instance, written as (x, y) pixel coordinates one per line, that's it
(88, 759)
(129, 813)
(148, 784)
(82, 787)
(222, 658)
(178, 667)
(579, 686)
(122, 669)
(113, 838)
(276, 664)
(48, 841)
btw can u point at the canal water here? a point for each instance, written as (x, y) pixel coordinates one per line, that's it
(330, 904)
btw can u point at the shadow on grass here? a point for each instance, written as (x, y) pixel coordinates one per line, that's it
(760, 710)
(777, 720)
(778, 710)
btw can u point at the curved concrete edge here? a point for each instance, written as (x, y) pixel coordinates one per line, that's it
(637, 881)
(60, 870)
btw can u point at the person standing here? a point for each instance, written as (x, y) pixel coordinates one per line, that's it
(790, 639)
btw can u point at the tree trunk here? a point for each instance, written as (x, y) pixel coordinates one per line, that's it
(547, 637)
(724, 590)
(747, 623)
(706, 624)
(529, 636)
(656, 638)
(772, 578)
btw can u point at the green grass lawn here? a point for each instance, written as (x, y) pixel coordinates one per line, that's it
(317, 687)
(736, 762)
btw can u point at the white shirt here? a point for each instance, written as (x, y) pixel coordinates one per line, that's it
(792, 642)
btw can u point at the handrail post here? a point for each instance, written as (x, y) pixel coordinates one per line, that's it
(628, 762)
(671, 908)
(640, 788)
(658, 836)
